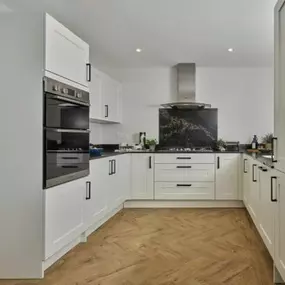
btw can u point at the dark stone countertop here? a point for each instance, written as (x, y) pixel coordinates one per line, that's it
(106, 154)
(260, 158)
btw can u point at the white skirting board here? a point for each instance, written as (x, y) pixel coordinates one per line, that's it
(183, 204)
(82, 238)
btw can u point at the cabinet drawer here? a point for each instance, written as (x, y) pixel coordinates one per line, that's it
(184, 191)
(182, 158)
(184, 172)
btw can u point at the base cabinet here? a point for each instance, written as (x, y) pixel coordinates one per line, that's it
(95, 200)
(142, 177)
(63, 215)
(280, 226)
(227, 178)
(184, 191)
(267, 206)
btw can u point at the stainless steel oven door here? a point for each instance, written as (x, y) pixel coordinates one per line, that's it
(66, 156)
(65, 113)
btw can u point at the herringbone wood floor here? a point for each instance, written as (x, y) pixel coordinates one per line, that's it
(166, 247)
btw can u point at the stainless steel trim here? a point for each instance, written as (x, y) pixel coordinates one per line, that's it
(68, 131)
(77, 102)
(66, 178)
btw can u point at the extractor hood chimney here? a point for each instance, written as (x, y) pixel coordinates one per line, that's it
(186, 88)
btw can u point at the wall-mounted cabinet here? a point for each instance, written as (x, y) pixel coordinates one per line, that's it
(105, 98)
(66, 55)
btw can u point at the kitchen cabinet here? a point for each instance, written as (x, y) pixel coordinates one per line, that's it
(185, 158)
(105, 98)
(142, 177)
(110, 97)
(184, 191)
(96, 86)
(227, 169)
(253, 195)
(279, 194)
(63, 215)
(267, 190)
(95, 200)
(122, 181)
(66, 55)
(184, 172)
(246, 180)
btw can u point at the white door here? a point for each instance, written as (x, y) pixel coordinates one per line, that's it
(280, 227)
(95, 87)
(122, 178)
(268, 185)
(66, 55)
(110, 95)
(95, 199)
(279, 97)
(253, 198)
(246, 180)
(142, 177)
(227, 177)
(63, 214)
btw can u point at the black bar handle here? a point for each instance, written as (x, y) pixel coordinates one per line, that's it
(218, 162)
(273, 148)
(183, 166)
(106, 111)
(183, 185)
(71, 157)
(149, 163)
(69, 166)
(88, 72)
(253, 176)
(115, 166)
(88, 190)
(110, 167)
(273, 199)
(244, 168)
(260, 167)
(186, 157)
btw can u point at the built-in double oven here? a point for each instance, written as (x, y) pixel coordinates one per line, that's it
(66, 133)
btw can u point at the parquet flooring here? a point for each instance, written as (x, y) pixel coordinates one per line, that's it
(167, 247)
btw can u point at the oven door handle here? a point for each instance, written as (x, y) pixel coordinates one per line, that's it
(68, 131)
(64, 99)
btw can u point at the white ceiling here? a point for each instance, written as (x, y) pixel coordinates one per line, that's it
(168, 31)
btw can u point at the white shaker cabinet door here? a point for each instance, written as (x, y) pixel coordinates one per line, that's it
(63, 214)
(280, 226)
(95, 199)
(227, 169)
(96, 86)
(66, 55)
(267, 205)
(142, 177)
(245, 180)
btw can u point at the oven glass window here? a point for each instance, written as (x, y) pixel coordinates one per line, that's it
(65, 115)
(66, 153)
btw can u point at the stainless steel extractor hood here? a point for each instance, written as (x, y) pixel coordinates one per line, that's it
(186, 88)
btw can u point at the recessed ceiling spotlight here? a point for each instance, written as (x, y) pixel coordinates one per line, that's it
(138, 50)
(230, 50)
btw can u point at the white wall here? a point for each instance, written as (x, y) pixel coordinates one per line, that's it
(244, 97)
(21, 113)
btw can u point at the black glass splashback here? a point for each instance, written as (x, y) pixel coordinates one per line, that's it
(188, 128)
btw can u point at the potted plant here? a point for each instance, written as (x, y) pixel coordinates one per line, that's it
(221, 144)
(152, 144)
(267, 140)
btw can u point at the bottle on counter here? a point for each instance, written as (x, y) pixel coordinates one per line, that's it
(254, 144)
